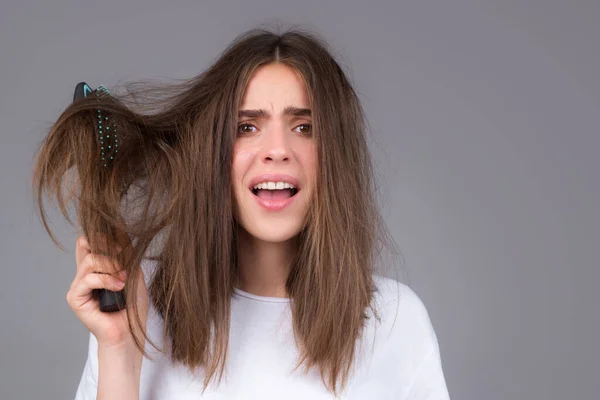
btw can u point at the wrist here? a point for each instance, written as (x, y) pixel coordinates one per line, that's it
(125, 353)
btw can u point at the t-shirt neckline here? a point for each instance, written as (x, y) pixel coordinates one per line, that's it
(267, 299)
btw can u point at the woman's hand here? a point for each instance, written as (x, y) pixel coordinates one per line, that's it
(97, 271)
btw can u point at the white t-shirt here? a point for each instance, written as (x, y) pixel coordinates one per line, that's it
(396, 360)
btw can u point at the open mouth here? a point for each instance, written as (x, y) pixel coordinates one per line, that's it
(275, 194)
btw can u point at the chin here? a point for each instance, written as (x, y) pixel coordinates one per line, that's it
(273, 234)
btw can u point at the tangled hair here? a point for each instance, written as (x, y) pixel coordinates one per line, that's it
(175, 166)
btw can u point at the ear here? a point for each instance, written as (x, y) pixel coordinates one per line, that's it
(82, 90)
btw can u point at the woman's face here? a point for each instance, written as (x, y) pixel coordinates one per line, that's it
(275, 150)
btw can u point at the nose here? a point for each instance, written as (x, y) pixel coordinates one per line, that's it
(276, 146)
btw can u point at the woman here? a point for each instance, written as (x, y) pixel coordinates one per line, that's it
(257, 176)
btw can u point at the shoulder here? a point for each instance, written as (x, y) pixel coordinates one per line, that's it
(390, 292)
(404, 315)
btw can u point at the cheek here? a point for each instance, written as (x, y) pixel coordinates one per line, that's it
(241, 162)
(309, 161)
(242, 159)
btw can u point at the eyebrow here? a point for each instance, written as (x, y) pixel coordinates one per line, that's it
(289, 110)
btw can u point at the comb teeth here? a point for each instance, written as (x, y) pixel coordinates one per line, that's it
(102, 90)
(107, 131)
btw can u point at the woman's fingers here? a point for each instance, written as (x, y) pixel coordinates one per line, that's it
(82, 249)
(97, 263)
(99, 271)
(81, 291)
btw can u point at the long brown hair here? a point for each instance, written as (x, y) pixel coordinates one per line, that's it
(174, 168)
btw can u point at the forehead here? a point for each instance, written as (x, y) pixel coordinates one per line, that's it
(275, 86)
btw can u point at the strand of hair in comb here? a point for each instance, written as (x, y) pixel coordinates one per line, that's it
(107, 135)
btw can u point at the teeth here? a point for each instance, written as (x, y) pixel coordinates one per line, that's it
(274, 185)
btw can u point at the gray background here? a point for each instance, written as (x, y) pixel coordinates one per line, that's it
(485, 119)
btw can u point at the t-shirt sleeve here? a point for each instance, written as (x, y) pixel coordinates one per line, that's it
(88, 384)
(421, 376)
(429, 383)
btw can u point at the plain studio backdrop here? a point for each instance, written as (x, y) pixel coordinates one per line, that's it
(485, 120)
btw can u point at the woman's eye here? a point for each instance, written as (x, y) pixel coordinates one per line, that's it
(245, 128)
(307, 129)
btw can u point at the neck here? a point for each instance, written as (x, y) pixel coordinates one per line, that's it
(263, 266)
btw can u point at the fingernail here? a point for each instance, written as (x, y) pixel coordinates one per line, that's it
(120, 284)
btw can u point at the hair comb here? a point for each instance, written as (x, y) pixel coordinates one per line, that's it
(106, 129)
(107, 135)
